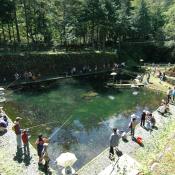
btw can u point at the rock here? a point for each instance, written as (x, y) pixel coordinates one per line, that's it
(154, 166)
(159, 156)
(168, 149)
(89, 95)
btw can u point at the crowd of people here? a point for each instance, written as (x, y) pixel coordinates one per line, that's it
(29, 75)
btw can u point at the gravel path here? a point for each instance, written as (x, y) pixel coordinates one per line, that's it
(8, 164)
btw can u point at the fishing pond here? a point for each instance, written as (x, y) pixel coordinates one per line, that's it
(77, 115)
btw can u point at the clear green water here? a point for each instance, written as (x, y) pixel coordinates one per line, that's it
(91, 119)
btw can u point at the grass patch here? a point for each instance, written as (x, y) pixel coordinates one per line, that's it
(155, 151)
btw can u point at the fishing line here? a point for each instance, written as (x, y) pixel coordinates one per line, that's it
(57, 130)
(11, 83)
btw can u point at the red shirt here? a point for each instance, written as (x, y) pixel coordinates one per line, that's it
(25, 138)
(17, 128)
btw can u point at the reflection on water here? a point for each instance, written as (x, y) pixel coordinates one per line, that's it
(88, 115)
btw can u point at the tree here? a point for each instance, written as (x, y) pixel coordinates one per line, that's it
(169, 26)
(142, 21)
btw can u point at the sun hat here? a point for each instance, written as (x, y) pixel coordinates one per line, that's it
(45, 144)
(133, 116)
(18, 118)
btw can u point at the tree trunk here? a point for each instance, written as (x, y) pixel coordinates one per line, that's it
(9, 31)
(14, 39)
(26, 20)
(16, 24)
(3, 32)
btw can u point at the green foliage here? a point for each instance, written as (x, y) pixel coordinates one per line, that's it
(169, 26)
(142, 20)
(94, 23)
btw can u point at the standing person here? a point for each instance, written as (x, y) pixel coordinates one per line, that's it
(173, 94)
(148, 120)
(148, 77)
(114, 141)
(46, 158)
(143, 116)
(2, 113)
(40, 145)
(169, 93)
(17, 130)
(25, 139)
(152, 120)
(132, 126)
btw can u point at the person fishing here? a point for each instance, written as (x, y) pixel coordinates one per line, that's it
(17, 128)
(114, 141)
(143, 116)
(40, 145)
(132, 126)
(46, 158)
(25, 139)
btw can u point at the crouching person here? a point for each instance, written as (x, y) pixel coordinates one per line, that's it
(46, 158)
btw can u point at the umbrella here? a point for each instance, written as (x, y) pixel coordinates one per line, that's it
(66, 159)
(2, 89)
(113, 73)
(2, 99)
(2, 93)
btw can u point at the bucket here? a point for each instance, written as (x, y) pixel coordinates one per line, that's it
(139, 140)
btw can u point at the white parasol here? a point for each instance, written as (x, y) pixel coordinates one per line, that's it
(2, 99)
(2, 89)
(66, 159)
(113, 74)
(2, 93)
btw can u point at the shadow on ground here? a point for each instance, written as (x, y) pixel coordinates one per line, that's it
(20, 157)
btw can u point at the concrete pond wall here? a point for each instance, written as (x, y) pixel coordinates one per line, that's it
(51, 64)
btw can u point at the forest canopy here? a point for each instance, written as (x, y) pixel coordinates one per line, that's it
(86, 22)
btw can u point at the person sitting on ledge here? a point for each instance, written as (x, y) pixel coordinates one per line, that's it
(3, 120)
(3, 124)
(164, 108)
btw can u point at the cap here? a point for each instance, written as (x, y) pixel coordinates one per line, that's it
(133, 116)
(147, 112)
(18, 118)
(24, 130)
(45, 144)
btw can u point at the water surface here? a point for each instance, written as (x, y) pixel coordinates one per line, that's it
(78, 115)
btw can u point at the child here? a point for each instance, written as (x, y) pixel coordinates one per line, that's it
(25, 139)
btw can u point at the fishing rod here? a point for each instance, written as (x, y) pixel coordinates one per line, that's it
(60, 127)
(56, 121)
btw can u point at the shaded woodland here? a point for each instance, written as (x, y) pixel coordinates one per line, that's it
(95, 24)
